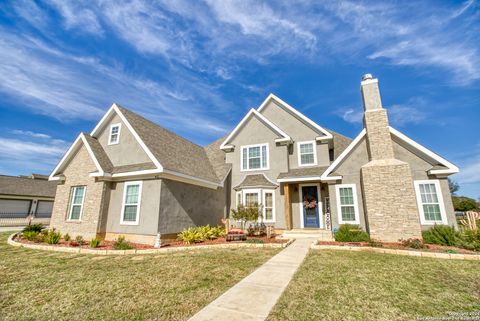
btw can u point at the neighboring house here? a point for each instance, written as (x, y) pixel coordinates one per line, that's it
(26, 197)
(132, 177)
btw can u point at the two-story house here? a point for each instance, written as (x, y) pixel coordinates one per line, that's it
(132, 177)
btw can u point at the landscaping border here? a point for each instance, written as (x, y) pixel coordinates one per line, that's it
(79, 250)
(448, 256)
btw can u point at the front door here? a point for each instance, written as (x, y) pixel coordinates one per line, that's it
(310, 207)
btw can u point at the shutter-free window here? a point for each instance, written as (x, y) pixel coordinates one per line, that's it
(347, 205)
(254, 157)
(114, 134)
(307, 153)
(131, 202)
(268, 207)
(76, 202)
(430, 202)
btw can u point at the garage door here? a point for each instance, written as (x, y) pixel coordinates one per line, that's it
(44, 209)
(14, 208)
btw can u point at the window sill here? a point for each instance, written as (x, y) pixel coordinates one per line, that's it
(129, 223)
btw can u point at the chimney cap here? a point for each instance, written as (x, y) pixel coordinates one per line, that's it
(367, 77)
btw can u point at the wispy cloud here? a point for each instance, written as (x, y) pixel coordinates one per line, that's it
(77, 16)
(30, 134)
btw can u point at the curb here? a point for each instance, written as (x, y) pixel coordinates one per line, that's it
(448, 256)
(78, 250)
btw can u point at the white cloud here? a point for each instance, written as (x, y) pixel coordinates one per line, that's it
(77, 16)
(351, 115)
(30, 133)
(409, 113)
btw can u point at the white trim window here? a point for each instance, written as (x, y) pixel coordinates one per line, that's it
(347, 204)
(114, 135)
(268, 210)
(239, 198)
(132, 195)
(307, 153)
(254, 157)
(430, 202)
(77, 197)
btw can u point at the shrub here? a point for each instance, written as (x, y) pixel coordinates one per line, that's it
(37, 227)
(30, 235)
(39, 238)
(79, 240)
(351, 233)
(52, 236)
(375, 243)
(122, 244)
(441, 235)
(470, 240)
(201, 234)
(414, 244)
(94, 243)
(255, 241)
(67, 237)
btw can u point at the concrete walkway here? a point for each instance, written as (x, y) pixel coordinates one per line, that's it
(253, 297)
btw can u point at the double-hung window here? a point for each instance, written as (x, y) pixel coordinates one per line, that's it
(307, 155)
(114, 136)
(132, 194)
(347, 204)
(254, 157)
(430, 202)
(269, 205)
(77, 196)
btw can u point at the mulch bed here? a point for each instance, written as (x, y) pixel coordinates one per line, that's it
(108, 245)
(399, 246)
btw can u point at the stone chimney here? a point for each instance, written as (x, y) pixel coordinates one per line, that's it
(389, 196)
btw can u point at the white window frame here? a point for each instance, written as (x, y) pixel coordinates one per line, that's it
(255, 169)
(264, 212)
(299, 156)
(441, 204)
(237, 195)
(137, 216)
(72, 198)
(355, 204)
(119, 125)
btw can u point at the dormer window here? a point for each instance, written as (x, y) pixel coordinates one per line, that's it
(255, 157)
(114, 137)
(307, 154)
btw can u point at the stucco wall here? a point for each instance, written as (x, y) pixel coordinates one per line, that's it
(77, 174)
(148, 214)
(255, 132)
(127, 151)
(184, 205)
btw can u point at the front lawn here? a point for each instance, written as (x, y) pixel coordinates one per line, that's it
(340, 285)
(40, 285)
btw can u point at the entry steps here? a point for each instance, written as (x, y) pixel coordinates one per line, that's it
(320, 234)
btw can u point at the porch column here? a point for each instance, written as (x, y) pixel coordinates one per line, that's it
(288, 206)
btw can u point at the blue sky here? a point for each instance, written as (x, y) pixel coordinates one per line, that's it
(196, 67)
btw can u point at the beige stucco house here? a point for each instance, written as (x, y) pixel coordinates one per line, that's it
(132, 177)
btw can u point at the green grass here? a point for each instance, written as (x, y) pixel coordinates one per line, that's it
(338, 285)
(39, 285)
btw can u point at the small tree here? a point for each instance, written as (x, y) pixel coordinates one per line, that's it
(453, 186)
(246, 214)
(464, 204)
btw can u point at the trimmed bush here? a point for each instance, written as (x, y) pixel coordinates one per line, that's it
(414, 244)
(52, 237)
(37, 227)
(351, 233)
(122, 244)
(441, 235)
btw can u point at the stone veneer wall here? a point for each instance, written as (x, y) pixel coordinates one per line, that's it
(390, 200)
(76, 174)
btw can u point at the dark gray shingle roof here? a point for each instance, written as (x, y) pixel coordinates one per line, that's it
(133, 167)
(12, 185)
(216, 156)
(255, 180)
(99, 153)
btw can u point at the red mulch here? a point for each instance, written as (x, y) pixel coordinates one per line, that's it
(399, 246)
(108, 245)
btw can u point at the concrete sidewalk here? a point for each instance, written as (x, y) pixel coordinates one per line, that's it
(253, 297)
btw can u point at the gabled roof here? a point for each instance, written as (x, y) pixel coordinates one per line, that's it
(27, 186)
(94, 149)
(255, 180)
(445, 166)
(307, 121)
(283, 137)
(217, 158)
